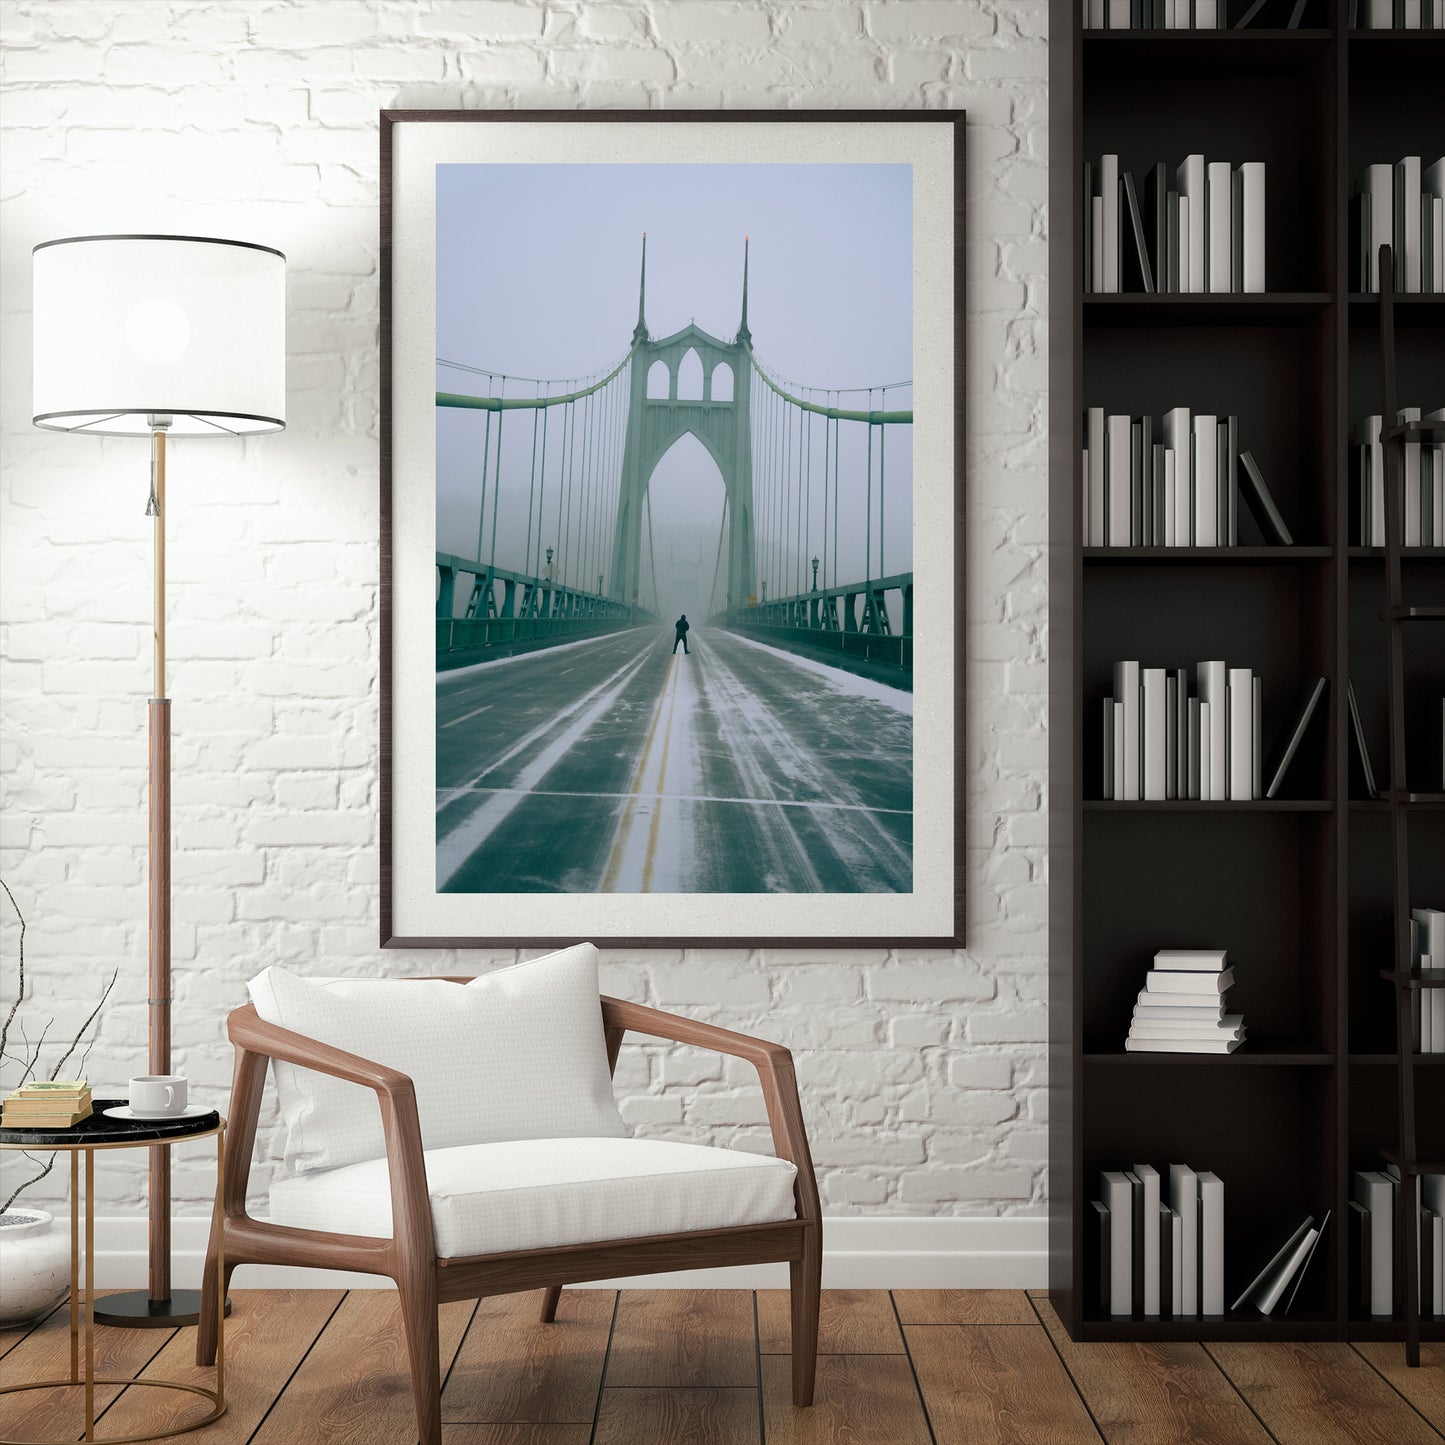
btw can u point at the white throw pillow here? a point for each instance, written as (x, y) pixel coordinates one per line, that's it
(515, 1054)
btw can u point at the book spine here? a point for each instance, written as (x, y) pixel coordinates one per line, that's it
(1098, 514)
(1211, 1245)
(1190, 179)
(1407, 222)
(1171, 738)
(1230, 444)
(1119, 1200)
(1380, 185)
(1138, 519)
(1155, 738)
(1212, 682)
(1218, 187)
(1252, 193)
(1126, 693)
(1096, 244)
(1241, 734)
(1119, 794)
(1257, 762)
(1117, 452)
(1205, 467)
(1109, 193)
(1184, 1195)
(1149, 1230)
(1413, 509)
(1109, 789)
(1179, 438)
(1195, 767)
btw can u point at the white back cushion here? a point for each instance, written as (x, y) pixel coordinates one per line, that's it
(515, 1054)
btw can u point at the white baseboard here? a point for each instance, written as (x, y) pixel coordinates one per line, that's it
(882, 1252)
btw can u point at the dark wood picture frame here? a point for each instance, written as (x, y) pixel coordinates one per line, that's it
(952, 756)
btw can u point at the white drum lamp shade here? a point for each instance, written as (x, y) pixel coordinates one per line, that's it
(130, 328)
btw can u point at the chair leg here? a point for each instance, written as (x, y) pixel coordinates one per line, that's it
(206, 1322)
(550, 1296)
(418, 1293)
(805, 1277)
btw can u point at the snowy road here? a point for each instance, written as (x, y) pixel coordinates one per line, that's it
(613, 766)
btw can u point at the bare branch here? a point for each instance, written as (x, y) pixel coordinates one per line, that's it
(74, 1043)
(20, 972)
(34, 1179)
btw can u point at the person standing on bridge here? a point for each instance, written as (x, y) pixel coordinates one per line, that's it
(680, 629)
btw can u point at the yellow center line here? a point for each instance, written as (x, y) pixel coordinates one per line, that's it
(661, 785)
(475, 712)
(619, 845)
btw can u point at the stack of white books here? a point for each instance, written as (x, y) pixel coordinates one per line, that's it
(1422, 487)
(1401, 206)
(1374, 1208)
(1181, 1008)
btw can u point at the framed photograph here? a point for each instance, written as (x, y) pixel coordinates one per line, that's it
(672, 423)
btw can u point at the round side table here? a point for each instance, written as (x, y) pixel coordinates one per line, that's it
(100, 1132)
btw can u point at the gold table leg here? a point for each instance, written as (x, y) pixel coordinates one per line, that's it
(74, 1267)
(90, 1294)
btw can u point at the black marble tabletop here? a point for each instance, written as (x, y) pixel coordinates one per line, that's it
(101, 1129)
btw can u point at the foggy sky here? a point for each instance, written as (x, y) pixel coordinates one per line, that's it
(537, 274)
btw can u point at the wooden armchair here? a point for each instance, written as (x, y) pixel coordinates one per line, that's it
(409, 1256)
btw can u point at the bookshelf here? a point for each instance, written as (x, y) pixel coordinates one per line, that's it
(1298, 888)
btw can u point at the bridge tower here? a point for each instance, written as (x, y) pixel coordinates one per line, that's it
(723, 426)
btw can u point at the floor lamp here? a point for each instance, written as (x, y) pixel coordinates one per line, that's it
(159, 336)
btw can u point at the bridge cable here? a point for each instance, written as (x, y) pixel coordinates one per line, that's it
(721, 530)
(809, 516)
(837, 450)
(651, 555)
(531, 496)
(882, 444)
(486, 462)
(541, 499)
(497, 489)
(827, 457)
(583, 484)
(785, 567)
(868, 524)
(801, 562)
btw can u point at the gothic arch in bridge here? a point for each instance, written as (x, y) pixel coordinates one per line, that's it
(723, 426)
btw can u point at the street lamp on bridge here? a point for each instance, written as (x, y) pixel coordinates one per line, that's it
(549, 564)
(815, 574)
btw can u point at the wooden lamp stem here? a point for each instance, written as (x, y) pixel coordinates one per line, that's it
(159, 848)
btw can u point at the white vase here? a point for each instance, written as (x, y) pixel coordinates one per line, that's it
(34, 1264)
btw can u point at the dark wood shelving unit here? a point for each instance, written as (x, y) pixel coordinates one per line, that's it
(1299, 888)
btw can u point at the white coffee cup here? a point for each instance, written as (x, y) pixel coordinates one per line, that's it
(158, 1095)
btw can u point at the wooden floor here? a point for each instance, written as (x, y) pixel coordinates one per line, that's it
(693, 1367)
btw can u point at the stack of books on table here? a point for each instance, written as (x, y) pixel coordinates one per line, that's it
(47, 1104)
(1373, 1211)
(1158, 1258)
(1198, 228)
(1401, 206)
(1427, 950)
(1173, 483)
(1422, 487)
(1181, 1008)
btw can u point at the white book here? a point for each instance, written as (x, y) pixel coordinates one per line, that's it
(1413, 17)
(1257, 762)
(1109, 193)
(1252, 190)
(1206, 14)
(1231, 1026)
(1241, 734)
(1374, 1191)
(1211, 1245)
(1098, 525)
(1206, 727)
(1176, 1260)
(1218, 184)
(1206, 481)
(1149, 1220)
(1407, 222)
(1205, 960)
(1096, 243)
(1192, 211)
(1437, 226)
(1205, 985)
(1171, 519)
(1184, 1196)
(1118, 483)
(1179, 439)
(1378, 183)
(1119, 1200)
(1432, 1195)
(1126, 692)
(1118, 14)
(1212, 682)
(1181, 1046)
(1154, 681)
(1148, 1005)
(1378, 15)
(1412, 481)
(1118, 793)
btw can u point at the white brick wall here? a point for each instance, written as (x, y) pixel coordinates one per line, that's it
(922, 1075)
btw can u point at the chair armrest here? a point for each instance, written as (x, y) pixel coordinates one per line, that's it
(773, 1062)
(400, 1125)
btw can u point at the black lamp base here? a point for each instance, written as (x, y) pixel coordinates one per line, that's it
(137, 1311)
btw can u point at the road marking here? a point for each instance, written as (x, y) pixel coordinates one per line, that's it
(462, 841)
(817, 805)
(629, 812)
(475, 712)
(540, 731)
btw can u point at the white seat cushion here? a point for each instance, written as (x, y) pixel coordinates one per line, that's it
(538, 1193)
(515, 1054)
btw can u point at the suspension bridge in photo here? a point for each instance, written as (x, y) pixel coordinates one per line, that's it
(761, 762)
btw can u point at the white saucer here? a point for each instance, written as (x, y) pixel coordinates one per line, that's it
(124, 1111)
